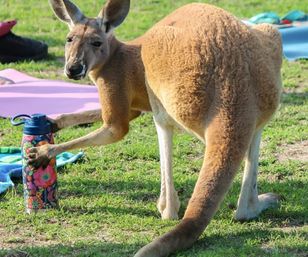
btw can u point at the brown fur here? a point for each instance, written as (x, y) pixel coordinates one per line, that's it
(201, 69)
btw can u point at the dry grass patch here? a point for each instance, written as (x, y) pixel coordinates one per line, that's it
(294, 152)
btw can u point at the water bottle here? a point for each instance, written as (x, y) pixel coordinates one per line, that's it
(40, 184)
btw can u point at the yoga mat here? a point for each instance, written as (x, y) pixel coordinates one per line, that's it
(11, 164)
(295, 42)
(29, 95)
(294, 39)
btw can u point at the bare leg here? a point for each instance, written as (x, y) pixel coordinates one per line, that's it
(250, 205)
(168, 203)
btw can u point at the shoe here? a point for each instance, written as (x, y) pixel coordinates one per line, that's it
(14, 48)
(6, 26)
(295, 15)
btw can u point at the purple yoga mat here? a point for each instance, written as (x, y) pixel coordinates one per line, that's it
(28, 95)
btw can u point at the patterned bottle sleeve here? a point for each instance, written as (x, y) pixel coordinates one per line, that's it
(40, 185)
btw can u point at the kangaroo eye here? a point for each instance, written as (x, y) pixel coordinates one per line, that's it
(96, 43)
(69, 39)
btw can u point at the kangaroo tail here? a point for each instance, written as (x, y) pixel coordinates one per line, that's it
(223, 155)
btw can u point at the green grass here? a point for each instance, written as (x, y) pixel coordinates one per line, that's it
(108, 201)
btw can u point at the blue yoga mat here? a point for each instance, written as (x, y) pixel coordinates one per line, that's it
(295, 42)
(13, 169)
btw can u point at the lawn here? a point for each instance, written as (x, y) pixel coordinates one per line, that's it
(108, 200)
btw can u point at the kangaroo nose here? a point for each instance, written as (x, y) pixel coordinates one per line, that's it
(75, 70)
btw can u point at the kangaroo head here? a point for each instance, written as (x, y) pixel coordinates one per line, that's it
(88, 42)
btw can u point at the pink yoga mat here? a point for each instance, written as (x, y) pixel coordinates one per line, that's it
(29, 95)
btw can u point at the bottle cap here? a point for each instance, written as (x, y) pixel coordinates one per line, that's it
(36, 124)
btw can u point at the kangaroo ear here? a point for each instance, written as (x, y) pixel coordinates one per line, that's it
(113, 13)
(67, 12)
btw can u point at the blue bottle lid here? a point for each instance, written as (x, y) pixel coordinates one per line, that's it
(36, 124)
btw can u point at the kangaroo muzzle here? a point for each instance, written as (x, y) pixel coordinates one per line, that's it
(76, 71)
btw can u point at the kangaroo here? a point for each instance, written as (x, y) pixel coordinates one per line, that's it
(200, 69)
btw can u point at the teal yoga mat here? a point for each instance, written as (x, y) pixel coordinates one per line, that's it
(11, 166)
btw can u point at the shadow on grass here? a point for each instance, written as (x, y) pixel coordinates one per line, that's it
(239, 244)
(294, 98)
(147, 191)
(227, 244)
(143, 212)
(294, 207)
(104, 249)
(255, 242)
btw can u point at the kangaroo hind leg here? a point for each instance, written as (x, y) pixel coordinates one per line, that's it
(250, 204)
(227, 142)
(168, 203)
